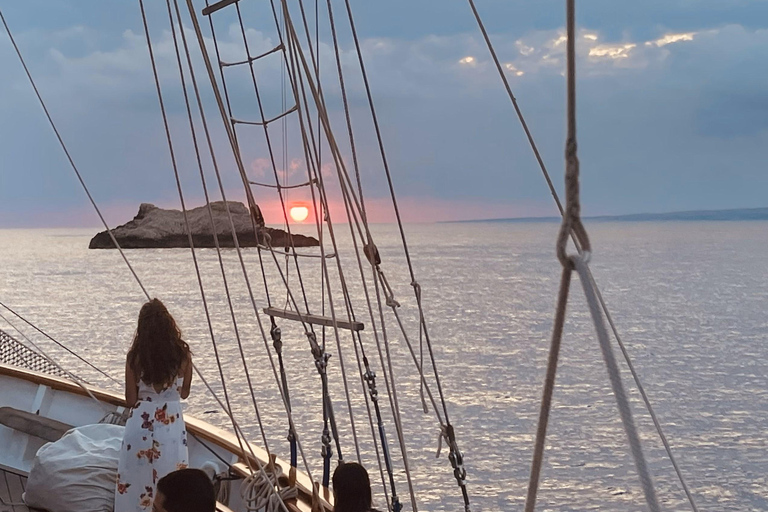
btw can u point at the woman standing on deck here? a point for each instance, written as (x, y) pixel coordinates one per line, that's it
(158, 374)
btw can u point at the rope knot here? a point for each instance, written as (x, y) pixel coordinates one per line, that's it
(572, 225)
(391, 302)
(370, 379)
(276, 334)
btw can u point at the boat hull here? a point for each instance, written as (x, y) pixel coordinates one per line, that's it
(34, 406)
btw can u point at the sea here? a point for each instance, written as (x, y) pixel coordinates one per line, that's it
(689, 300)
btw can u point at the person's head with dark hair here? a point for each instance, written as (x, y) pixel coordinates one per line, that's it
(351, 488)
(185, 490)
(157, 352)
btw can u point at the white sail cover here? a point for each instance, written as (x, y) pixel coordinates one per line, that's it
(77, 472)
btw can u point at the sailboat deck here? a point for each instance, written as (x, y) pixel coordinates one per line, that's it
(12, 486)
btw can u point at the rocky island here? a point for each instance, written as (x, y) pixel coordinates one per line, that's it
(155, 227)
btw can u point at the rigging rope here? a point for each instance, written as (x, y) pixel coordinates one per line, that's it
(292, 434)
(241, 169)
(456, 454)
(572, 224)
(207, 199)
(117, 245)
(391, 388)
(186, 221)
(319, 350)
(603, 305)
(272, 160)
(61, 345)
(320, 356)
(61, 371)
(316, 167)
(215, 235)
(69, 157)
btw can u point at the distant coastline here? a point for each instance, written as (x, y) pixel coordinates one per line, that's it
(697, 215)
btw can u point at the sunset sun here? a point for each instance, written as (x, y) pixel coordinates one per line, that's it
(299, 213)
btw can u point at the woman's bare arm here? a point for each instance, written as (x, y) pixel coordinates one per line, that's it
(131, 386)
(187, 384)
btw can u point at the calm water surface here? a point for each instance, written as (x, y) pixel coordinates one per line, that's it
(689, 299)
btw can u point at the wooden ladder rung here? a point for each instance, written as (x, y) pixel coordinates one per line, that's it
(313, 319)
(217, 5)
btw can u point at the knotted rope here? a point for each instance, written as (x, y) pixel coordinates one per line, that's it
(572, 226)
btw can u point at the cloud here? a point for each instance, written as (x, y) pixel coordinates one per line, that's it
(671, 38)
(651, 102)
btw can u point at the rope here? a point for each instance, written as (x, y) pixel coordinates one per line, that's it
(267, 185)
(335, 156)
(343, 175)
(258, 490)
(69, 157)
(236, 148)
(228, 412)
(457, 454)
(414, 282)
(618, 389)
(238, 160)
(93, 203)
(572, 222)
(391, 387)
(641, 388)
(572, 218)
(277, 343)
(208, 203)
(186, 221)
(369, 390)
(77, 380)
(271, 156)
(512, 98)
(603, 305)
(61, 345)
(329, 416)
(320, 356)
(237, 430)
(549, 385)
(234, 237)
(326, 278)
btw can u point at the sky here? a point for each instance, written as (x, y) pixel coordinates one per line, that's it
(672, 108)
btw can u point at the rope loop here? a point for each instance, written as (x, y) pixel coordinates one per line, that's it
(572, 216)
(416, 289)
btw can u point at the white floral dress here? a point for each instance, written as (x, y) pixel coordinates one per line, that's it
(154, 444)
